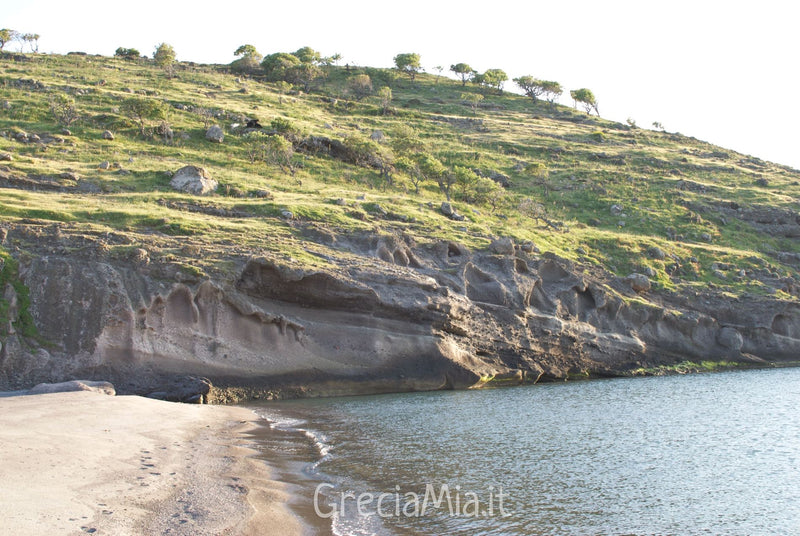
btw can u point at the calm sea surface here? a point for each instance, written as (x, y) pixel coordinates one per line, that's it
(700, 454)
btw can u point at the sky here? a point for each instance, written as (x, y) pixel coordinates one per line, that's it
(715, 70)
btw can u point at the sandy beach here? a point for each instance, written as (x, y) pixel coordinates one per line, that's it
(87, 463)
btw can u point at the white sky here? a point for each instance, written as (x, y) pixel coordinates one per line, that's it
(721, 71)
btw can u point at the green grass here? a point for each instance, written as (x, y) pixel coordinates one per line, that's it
(591, 165)
(23, 324)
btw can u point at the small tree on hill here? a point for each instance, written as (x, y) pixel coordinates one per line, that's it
(143, 111)
(432, 169)
(278, 151)
(127, 53)
(249, 61)
(33, 41)
(304, 74)
(474, 100)
(277, 66)
(385, 97)
(531, 86)
(360, 86)
(494, 78)
(551, 90)
(63, 108)
(586, 98)
(283, 88)
(466, 179)
(164, 57)
(407, 166)
(464, 71)
(308, 55)
(7, 36)
(408, 63)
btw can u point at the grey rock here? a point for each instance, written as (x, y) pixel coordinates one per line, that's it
(6, 157)
(616, 210)
(108, 135)
(657, 253)
(447, 209)
(75, 385)
(215, 134)
(193, 180)
(638, 282)
(730, 338)
(502, 246)
(104, 165)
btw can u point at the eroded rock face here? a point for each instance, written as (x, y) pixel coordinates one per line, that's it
(403, 317)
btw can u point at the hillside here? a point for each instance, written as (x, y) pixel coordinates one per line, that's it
(332, 227)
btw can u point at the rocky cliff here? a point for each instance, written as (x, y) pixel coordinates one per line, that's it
(384, 314)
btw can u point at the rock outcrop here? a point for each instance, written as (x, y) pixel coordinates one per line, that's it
(193, 180)
(391, 316)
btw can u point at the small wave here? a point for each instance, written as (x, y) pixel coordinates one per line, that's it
(291, 424)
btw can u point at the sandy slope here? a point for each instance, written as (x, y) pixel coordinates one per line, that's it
(78, 463)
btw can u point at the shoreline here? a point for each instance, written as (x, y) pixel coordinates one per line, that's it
(85, 463)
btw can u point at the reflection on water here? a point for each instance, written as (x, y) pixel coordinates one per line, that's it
(711, 454)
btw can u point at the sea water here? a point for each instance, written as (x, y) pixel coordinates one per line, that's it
(698, 454)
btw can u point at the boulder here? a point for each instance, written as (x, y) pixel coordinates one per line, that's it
(74, 385)
(730, 338)
(6, 157)
(215, 134)
(108, 135)
(638, 282)
(502, 246)
(193, 180)
(448, 210)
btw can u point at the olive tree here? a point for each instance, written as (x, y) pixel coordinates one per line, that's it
(474, 100)
(360, 86)
(63, 108)
(531, 86)
(278, 151)
(385, 97)
(127, 53)
(464, 71)
(586, 98)
(164, 57)
(7, 36)
(308, 55)
(551, 91)
(431, 168)
(494, 78)
(249, 61)
(33, 41)
(408, 63)
(143, 110)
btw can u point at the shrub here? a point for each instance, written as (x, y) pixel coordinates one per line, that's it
(143, 110)
(127, 53)
(63, 108)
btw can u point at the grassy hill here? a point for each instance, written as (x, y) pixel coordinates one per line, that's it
(624, 199)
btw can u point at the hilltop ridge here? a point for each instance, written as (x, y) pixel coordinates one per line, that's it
(330, 260)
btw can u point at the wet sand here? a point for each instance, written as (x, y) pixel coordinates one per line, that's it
(86, 463)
